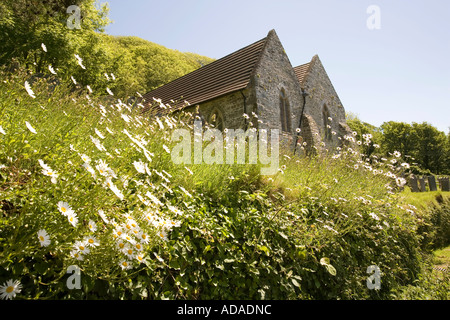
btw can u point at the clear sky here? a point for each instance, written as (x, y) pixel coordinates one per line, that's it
(399, 71)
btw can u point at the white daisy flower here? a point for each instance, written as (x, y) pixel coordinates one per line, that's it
(29, 91)
(99, 133)
(2, 131)
(10, 289)
(113, 76)
(81, 247)
(140, 257)
(76, 254)
(64, 208)
(92, 226)
(129, 251)
(163, 235)
(125, 265)
(85, 158)
(43, 47)
(109, 91)
(80, 61)
(73, 219)
(91, 241)
(139, 166)
(103, 168)
(89, 168)
(143, 237)
(50, 68)
(73, 80)
(30, 127)
(44, 238)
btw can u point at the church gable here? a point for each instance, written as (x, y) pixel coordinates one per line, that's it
(277, 89)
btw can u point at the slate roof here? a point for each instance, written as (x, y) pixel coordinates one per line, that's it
(228, 74)
(223, 76)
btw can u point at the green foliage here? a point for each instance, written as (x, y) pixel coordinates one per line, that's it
(214, 232)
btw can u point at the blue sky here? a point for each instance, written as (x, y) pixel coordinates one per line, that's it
(399, 72)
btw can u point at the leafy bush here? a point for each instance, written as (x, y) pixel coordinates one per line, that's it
(96, 181)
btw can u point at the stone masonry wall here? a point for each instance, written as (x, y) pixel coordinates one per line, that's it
(321, 92)
(273, 73)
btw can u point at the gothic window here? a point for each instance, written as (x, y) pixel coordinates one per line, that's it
(285, 112)
(216, 120)
(326, 123)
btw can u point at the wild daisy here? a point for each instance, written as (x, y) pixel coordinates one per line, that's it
(43, 47)
(89, 168)
(64, 208)
(73, 219)
(30, 127)
(125, 265)
(10, 289)
(140, 257)
(76, 254)
(85, 158)
(129, 252)
(2, 131)
(99, 133)
(103, 168)
(50, 68)
(163, 235)
(91, 241)
(92, 226)
(139, 166)
(73, 80)
(80, 61)
(82, 247)
(29, 91)
(109, 91)
(143, 237)
(44, 238)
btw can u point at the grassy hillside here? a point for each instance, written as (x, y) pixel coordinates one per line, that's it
(92, 184)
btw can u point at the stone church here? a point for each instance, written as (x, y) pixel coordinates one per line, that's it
(258, 81)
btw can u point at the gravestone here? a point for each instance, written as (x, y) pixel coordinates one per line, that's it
(432, 183)
(413, 183)
(445, 184)
(422, 184)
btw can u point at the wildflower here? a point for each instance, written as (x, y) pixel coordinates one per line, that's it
(159, 258)
(43, 47)
(89, 88)
(44, 238)
(2, 131)
(397, 154)
(76, 254)
(127, 237)
(99, 133)
(73, 80)
(73, 219)
(103, 168)
(125, 265)
(400, 181)
(373, 215)
(85, 158)
(246, 116)
(97, 143)
(29, 91)
(91, 241)
(139, 166)
(92, 226)
(143, 237)
(166, 148)
(89, 168)
(64, 208)
(354, 133)
(81, 247)
(129, 252)
(10, 289)
(30, 127)
(140, 257)
(80, 61)
(125, 117)
(405, 165)
(50, 68)
(109, 91)
(163, 235)
(114, 188)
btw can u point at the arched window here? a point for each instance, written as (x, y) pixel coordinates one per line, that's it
(326, 123)
(285, 112)
(216, 119)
